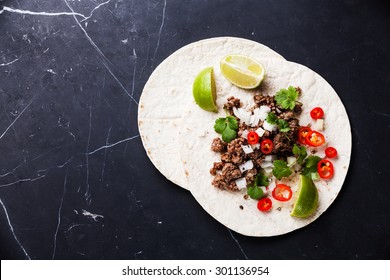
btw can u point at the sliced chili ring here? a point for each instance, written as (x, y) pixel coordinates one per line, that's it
(325, 169)
(282, 192)
(264, 204)
(253, 138)
(331, 152)
(317, 113)
(302, 133)
(315, 138)
(266, 146)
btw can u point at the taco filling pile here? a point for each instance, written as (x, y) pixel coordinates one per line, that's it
(263, 144)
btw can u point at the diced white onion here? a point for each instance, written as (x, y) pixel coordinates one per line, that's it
(267, 170)
(247, 149)
(297, 167)
(291, 160)
(254, 120)
(268, 126)
(243, 115)
(269, 158)
(241, 183)
(260, 131)
(246, 166)
(245, 133)
(255, 146)
(319, 125)
(263, 112)
(266, 164)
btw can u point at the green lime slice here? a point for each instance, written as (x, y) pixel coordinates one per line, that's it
(307, 201)
(204, 91)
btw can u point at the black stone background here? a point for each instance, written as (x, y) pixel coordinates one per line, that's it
(68, 85)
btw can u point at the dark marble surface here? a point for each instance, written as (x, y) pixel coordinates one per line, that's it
(75, 181)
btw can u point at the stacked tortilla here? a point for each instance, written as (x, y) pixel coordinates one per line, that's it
(167, 112)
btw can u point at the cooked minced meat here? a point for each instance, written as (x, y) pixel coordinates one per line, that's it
(232, 102)
(282, 144)
(250, 175)
(218, 145)
(216, 166)
(230, 172)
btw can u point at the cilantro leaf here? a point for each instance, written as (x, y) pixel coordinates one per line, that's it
(232, 122)
(299, 151)
(311, 165)
(272, 118)
(255, 192)
(286, 98)
(228, 134)
(261, 180)
(281, 169)
(220, 125)
(227, 127)
(283, 125)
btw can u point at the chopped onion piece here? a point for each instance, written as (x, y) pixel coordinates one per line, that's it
(254, 120)
(291, 160)
(246, 166)
(256, 146)
(268, 126)
(319, 125)
(243, 115)
(267, 171)
(241, 183)
(245, 133)
(247, 149)
(266, 164)
(269, 158)
(263, 112)
(260, 131)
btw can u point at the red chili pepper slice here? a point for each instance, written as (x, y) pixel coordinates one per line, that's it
(282, 192)
(331, 152)
(253, 138)
(264, 204)
(325, 169)
(266, 146)
(315, 138)
(317, 113)
(302, 133)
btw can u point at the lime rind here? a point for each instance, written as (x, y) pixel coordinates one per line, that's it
(204, 90)
(307, 201)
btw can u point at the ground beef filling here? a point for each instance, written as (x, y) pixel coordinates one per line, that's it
(232, 154)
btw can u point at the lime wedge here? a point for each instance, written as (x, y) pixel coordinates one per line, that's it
(242, 71)
(203, 90)
(307, 201)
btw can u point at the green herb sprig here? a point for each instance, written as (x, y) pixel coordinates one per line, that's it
(282, 124)
(281, 169)
(254, 190)
(227, 127)
(286, 98)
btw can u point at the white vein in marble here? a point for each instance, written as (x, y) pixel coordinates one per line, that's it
(59, 218)
(160, 30)
(114, 144)
(91, 215)
(12, 230)
(238, 244)
(14, 121)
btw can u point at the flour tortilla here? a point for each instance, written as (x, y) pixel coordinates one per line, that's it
(197, 133)
(169, 90)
